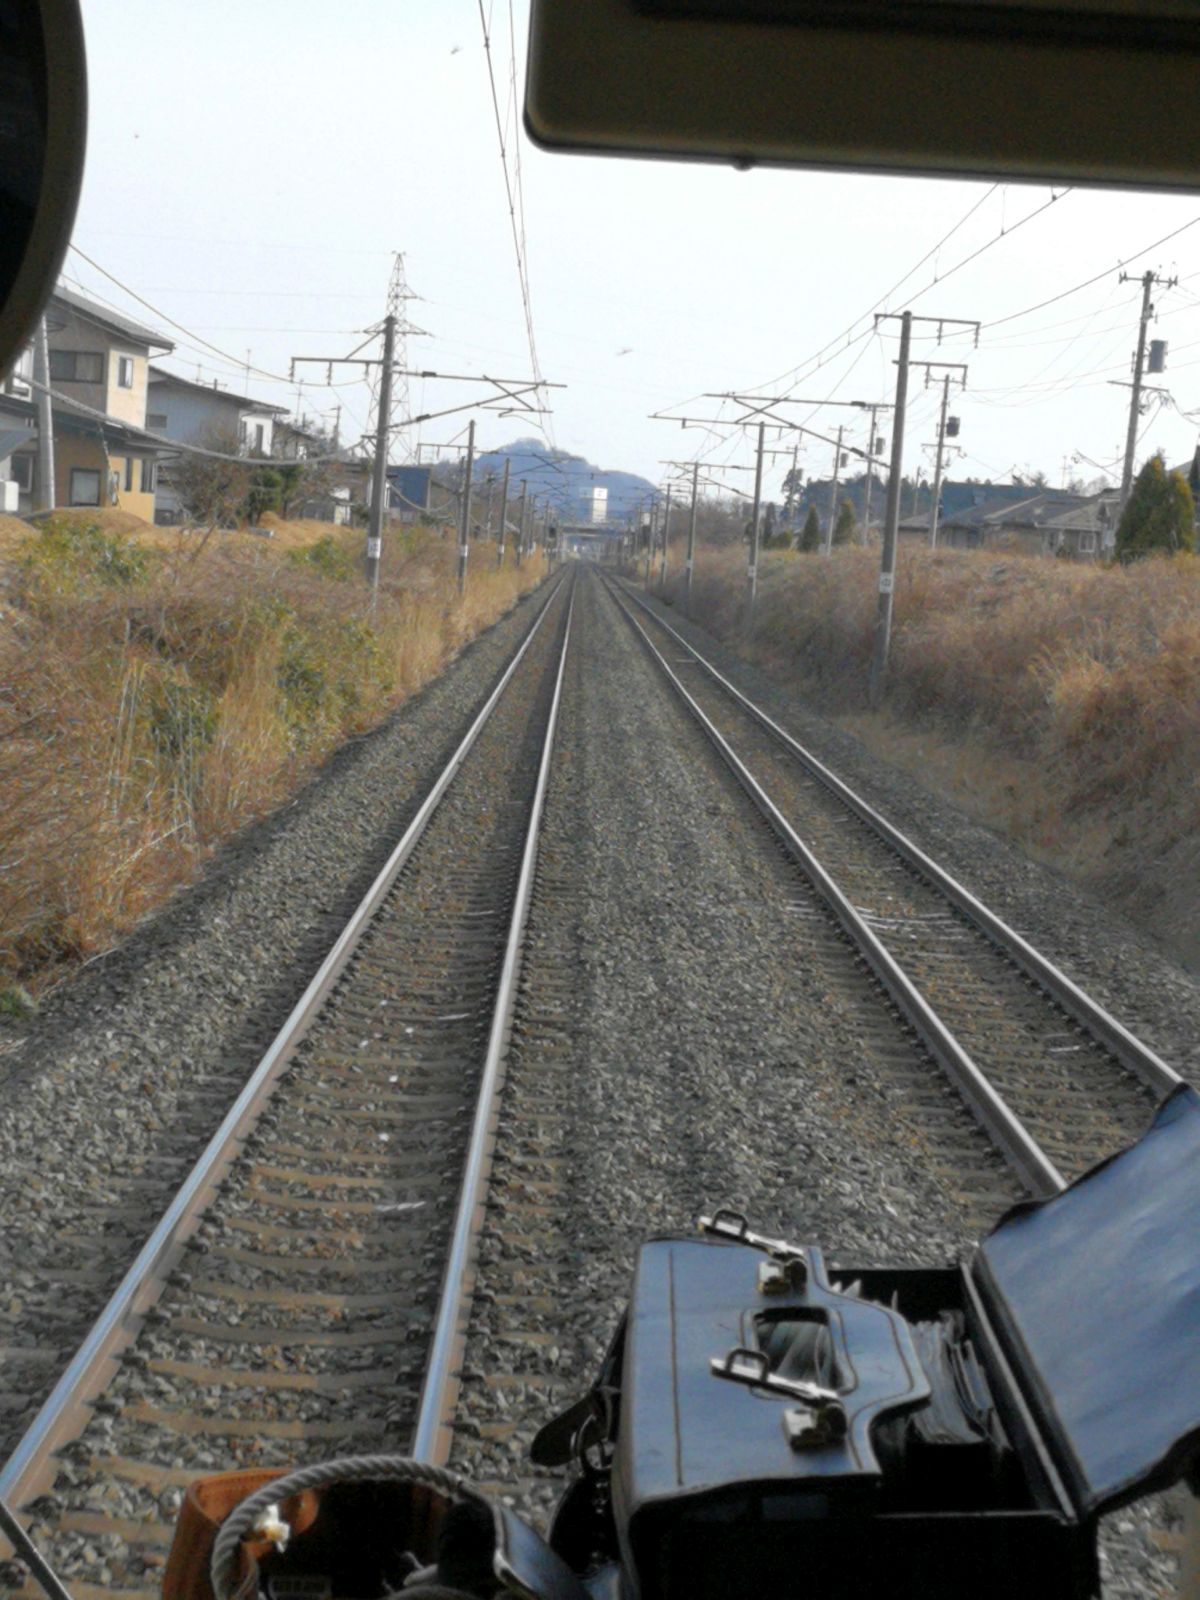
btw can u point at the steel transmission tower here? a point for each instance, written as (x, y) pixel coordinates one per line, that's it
(399, 294)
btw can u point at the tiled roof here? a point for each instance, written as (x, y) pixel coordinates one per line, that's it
(83, 306)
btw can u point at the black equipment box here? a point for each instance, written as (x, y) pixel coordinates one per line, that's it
(767, 1425)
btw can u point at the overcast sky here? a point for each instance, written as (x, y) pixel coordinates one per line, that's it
(253, 165)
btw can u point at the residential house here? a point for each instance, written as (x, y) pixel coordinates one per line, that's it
(99, 370)
(205, 414)
(1045, 522)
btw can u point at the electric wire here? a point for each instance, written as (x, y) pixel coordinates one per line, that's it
(514, 194)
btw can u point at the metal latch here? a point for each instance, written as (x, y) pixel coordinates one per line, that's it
(819, 1421)
(732, 1225)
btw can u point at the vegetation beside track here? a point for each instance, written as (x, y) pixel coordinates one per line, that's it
(1057, 701)
(159, 691)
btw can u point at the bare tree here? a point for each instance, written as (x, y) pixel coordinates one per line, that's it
(212, 490)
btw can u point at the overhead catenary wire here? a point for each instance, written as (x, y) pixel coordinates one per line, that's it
(514, 191)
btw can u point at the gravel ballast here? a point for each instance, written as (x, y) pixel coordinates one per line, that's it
(113, 1091)
(690, 1034)
(712, 1053)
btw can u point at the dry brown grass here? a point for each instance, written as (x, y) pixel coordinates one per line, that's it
(153, 701)
(1083, 679)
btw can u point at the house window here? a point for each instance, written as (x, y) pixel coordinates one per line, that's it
(20, 468)
(85, 486)
(128, 474)
(260, 434)
(1087, 543)
(147, 475)
(156, 419)
(76, 366)
(21, 376)
(125, 372)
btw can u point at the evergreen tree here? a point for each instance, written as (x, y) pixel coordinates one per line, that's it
(846, 526)
(810, 539)
(1160, 514)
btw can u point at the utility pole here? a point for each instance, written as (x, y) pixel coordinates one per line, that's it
(935, 510)
(887, 578)
(503, 512)
(44, 499)
(1149, 279)
(521, 520)
(464, 537)
(891, 520)
(383, 424)
(666, 538)
(650, 532)
(833, 505)
(891, 530)
(873, 443)
(752, 565)
(691, 544)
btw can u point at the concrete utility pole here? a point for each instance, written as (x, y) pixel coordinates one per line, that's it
(464, 537)
(1149, 279)
(666, 537)
(503, 512)
(752, 564)
(650, 534)
(891, 530)
(944, 430)
(891, 520)
(521, 520)
(833, 504)
(873, 444)
(44, 498)
(379, 468)
(936, 507)
(691, 544)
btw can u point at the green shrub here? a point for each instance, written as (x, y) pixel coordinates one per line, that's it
(325, 556)
(69, 553)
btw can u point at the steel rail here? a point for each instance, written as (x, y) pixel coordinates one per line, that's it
(1126, 1047)
(432, 1436)
(27, 1469)
(1018, 1146)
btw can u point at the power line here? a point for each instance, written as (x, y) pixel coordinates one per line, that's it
(1087, 282)
(516, 201)
(244, 366)
(177, 446)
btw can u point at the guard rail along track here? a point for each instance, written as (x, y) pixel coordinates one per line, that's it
(306, 1292)
(1024, 1046)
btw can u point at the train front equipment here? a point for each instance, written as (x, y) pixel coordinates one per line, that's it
(765, 1425)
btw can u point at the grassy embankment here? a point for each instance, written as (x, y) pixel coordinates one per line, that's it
(155, 698)
(1057, 702)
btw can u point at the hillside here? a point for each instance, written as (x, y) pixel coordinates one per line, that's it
(566, 477)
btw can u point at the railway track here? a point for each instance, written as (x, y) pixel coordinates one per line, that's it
(305, 1294)
(311, 1295)
(1055, 1080)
